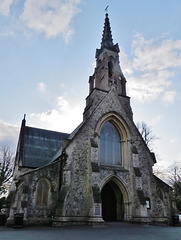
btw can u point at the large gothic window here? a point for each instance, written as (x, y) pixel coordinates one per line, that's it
(42, 193)
(110, 145)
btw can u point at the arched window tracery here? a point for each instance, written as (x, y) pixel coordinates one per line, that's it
(110, 145)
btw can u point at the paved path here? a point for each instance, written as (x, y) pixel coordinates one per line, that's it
(110, 231)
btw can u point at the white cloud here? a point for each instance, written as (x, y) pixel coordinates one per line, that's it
(62, 103)
(149, 85)
(169, 96)
(151, 69)
(64, 117)
(125, 63)
(179, 157)
(8, 134)
(51, 17)
(156, 120)
(172, 140)
(151, 55)
(42, 87)
(5, 7)
(7, 33)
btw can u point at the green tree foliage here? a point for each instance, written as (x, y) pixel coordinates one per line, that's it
(6, 168)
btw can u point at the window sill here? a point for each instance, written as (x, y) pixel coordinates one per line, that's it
(113, 167)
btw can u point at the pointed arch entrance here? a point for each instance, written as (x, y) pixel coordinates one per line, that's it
(112, 202)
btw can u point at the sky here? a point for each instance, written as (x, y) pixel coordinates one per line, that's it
(47, 53)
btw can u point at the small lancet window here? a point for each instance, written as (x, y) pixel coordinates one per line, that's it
(110, 69)
(42, 193)
(110, 145)
(148, 205)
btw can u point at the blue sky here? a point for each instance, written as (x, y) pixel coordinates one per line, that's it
(47, 53)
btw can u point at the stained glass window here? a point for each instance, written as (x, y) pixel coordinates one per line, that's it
(109, 151)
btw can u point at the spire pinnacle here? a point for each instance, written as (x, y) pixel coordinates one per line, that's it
(107, 40)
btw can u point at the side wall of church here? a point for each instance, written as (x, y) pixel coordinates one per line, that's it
(37, 205)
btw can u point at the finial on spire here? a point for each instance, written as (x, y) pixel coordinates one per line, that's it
(24, 120)
(106, 9)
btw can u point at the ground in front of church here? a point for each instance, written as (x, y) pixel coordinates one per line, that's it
(108, 231)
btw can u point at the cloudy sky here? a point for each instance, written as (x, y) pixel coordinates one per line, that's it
(47, 52)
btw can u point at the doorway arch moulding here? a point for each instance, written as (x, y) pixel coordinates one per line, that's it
(120, 183)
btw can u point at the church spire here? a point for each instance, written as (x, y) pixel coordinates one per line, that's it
(107, 40)
(107, 75)
(108, 71)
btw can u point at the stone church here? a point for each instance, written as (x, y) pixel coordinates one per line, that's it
(100, 172)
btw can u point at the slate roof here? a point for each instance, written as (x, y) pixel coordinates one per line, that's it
(39, 146)
(161, 184)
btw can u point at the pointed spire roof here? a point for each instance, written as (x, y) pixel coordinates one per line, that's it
(107, 41)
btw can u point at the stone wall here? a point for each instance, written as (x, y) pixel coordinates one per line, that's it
(88, 177)
(25, 195)
(79, 199)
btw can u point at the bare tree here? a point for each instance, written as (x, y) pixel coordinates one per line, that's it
(6, 168)
(174, 172)
(147, 134)
(160, 172)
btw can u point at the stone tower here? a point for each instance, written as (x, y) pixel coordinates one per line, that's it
(108, 74)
